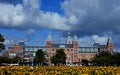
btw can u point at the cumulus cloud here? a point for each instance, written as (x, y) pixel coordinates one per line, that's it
(84, 16)
(29, 16)
(95, 16)
(7, 1)
(89, 40)
(7, 42)
(98, 39)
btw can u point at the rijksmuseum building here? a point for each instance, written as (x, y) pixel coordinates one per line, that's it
(74, 52)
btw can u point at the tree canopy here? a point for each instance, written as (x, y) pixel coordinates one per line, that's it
(40, 57)
(116, 59)
(8, 60)
(105, 58)
(1, 38)
(2, 46)
(59, 58)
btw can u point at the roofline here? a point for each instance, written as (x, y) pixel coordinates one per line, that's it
(88, 47)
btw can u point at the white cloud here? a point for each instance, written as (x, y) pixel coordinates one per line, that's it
(101, 40)
(11, 16)
(29, 16)
(52, 21)
(89, 40)
(85, 41)
(7, 42)
(79, 15)
(93, 15)
(30, 31)
(73, 19)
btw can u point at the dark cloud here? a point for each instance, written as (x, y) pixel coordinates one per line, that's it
(84, 17)
(11, 1)
(81, 17)
(7, 1)
(94, 16)
(78, 33)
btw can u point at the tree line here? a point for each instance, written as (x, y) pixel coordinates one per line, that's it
(8, 60)
(57, 59)
(106, 59)
(101, 59)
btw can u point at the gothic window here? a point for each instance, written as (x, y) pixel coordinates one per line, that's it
(83, 49)
(87, 50)
(12, 54)
(62, 46)
(35, 49)
(80, 49)
(26, 49)
(96, 50)
(92, 50)
(30, 49)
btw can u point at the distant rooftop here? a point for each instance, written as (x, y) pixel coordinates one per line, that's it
(62, 45)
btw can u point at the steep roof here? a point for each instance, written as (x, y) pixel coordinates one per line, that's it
(96, 45)
(109, 40)
(62, 45)
(49, 37)
(102, 46)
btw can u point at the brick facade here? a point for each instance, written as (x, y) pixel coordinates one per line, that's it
(74, 53)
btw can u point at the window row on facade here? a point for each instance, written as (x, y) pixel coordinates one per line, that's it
(33, 49)
(71, 50)
(88, 50)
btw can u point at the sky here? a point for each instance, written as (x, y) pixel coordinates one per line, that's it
(32, 20)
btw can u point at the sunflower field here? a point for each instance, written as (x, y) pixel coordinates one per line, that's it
(59, 70)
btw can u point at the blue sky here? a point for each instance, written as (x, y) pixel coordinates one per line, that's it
(32, 20)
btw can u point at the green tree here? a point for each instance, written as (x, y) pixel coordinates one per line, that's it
(14, 60)
(2, 46)
(104, 58)
(40, 57)
(8, 60)
(116, 59)
(59, 58)
(4, 59)
(54, 60)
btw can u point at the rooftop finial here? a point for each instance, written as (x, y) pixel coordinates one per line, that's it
(49, 37)
(75, 38)
(69, 41)
(68, 33)
(109, 40)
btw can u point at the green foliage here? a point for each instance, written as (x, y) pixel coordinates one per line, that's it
(60, 57)
(1, 38)
(2, 46)
(40, 57)
(8, 60)
(54, 60)
(116, 59)
(4, 59)
(14, 60)
(104, 58)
